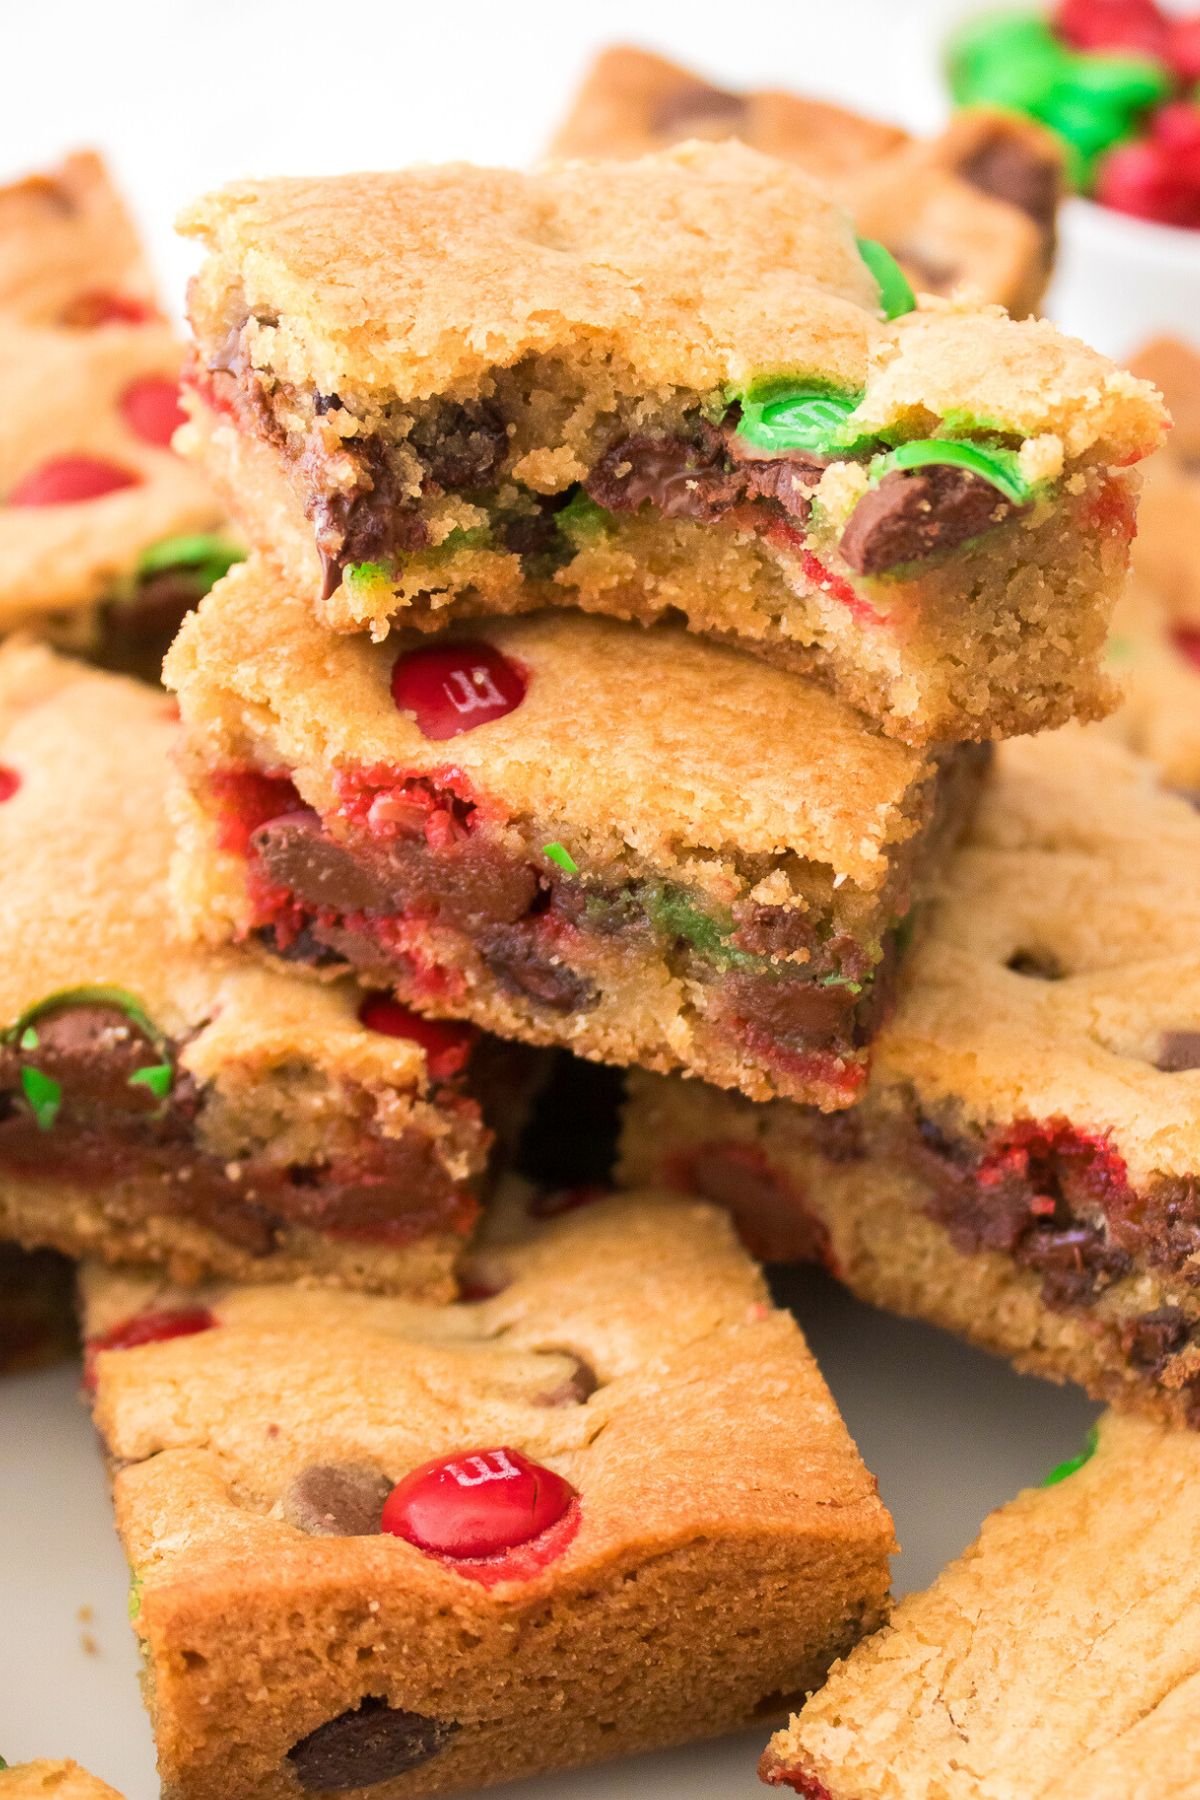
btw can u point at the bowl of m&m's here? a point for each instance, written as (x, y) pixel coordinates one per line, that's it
(1118, 83)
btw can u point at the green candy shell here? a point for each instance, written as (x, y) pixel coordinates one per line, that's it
(802, 418)
(895, 295)
(997, 466)
(1127, 83)
(1072, 1464)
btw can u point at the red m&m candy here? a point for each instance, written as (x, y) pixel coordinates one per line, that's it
(1150, 181)
(478, 1504)
(446, 1044)
(1187, 643)
(66, 479)
(150, 407)
(452, 688)
(99, 307)
(145, 1328)
(1112, 25)
(10, 781)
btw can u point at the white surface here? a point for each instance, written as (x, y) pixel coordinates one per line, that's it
(949, 1433)
(182, 94)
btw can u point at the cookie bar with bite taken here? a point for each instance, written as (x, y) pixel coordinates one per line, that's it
(180, 1105)
(106, 536)
(1025, 1165)
(45, 1780)
(689, 390)
(404, 1549)
(1057, 1656)
(973, 207)
(636, 844)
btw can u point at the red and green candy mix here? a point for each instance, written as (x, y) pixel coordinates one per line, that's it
(1116, 80)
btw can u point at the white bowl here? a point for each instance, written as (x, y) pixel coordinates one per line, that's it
(1121, 280)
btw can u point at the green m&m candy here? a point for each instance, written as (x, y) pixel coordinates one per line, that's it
(1061, 1470)
(1000, 467)
(800, 418)
(895, 294)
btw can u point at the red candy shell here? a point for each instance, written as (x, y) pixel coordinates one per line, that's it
(446, 1044)
(145, 1328)
(150, 407)
(478, 1504)
(452, 688)
(97, 307)
(10, 781)
(65, 480)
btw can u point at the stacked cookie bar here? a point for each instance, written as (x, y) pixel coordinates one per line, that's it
(640, 573)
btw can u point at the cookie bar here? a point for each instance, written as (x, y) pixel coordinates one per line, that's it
(974, 206)
(106, 536)
(1169, 531)
(44, 1780)
(69, 251)
(568, 830)
(687, 392)
(379, 1545)
(1024, 1166)
(1158, 665)
(1057, 1656)
(180, 1105)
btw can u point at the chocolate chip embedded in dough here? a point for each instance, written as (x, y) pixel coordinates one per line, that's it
(1178, 1050)
(914, 513)
(696, 105)
(373, 1742)
(575, 1388)
(335, 1499)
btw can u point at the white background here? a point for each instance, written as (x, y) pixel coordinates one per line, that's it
(182, 96)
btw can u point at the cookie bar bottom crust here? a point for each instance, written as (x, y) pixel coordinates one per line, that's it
(1032, 1245)
(428, 889)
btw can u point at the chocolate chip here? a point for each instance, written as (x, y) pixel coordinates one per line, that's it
(1178, 1050)
(792, 1012)
(91, 1050)
(914, 513)
(520, 965)
(697, 104)
(1042, 965)
(304, 947)
(335, 1499)
(773, 930)
(574, 1388)
(680, 477)
(374, 1742)
(1010, 169)
(295, 853)
(1152, 1338)
(461, 446)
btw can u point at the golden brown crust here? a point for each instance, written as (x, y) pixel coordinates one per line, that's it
(1164, 554)
(916, 196)
(85, 843)
(702, 266)
(45, 1780)
(66, 237)
(654, 1298)
(1057, 1655)
(705, 265)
